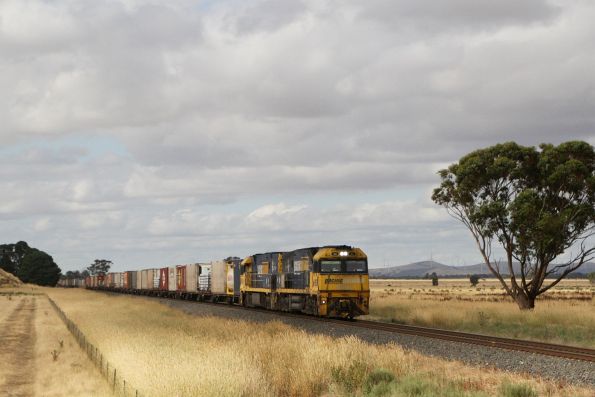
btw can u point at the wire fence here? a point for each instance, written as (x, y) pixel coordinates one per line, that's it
(116, 382)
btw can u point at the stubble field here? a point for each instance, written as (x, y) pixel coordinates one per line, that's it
(565, 314)
(165, 352)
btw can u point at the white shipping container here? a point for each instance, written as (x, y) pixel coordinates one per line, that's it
(218, 277)
(155, 278)
(204, 280)
(192, 271)
(172, 285)
(205, 268)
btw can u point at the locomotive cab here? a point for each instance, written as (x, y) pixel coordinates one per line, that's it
(341, 274)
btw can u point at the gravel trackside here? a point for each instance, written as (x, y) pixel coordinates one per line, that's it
(570, 371)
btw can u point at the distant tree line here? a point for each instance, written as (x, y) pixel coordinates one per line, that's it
(99, 267)
(30, 265)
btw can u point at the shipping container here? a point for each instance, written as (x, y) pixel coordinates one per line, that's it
(116, 277)
(134, 279)
(192, 272)
(218, 277)
(144, 277)
(230, 280)
(171, 282)
(164, 279)
(127, 284)
(181, 277)
(148, 279)
(155, 279)
(204, 279)
(119, 280)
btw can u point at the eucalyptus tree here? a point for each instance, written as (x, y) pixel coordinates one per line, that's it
(536, 204)
(99, 267)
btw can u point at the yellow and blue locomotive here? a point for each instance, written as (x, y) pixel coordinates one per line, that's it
(324, 281)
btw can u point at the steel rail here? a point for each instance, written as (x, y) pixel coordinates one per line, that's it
(569, 352)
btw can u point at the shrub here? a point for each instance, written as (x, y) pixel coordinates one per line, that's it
(416, 387)
(381, 390)
(474, 279)
(434, 279)
(378, 377)
(517, 390)
(352, 377)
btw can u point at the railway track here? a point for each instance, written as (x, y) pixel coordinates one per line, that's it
(548, 349)
(569, 352)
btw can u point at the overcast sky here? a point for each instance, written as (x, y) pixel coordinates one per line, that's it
(156, 133)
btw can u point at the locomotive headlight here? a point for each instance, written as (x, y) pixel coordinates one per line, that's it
(323, 301)
(343, 253)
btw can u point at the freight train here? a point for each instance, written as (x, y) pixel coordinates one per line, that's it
(330, 281)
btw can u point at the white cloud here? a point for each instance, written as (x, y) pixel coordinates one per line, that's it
(42, 225)
(130, 126)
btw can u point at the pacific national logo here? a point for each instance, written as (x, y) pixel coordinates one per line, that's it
(333, 281)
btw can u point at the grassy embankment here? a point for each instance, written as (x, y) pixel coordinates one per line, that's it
(565, 314)
(165, 352)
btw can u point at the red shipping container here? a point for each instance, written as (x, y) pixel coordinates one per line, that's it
(163, 279)
(127, 280)
(181, 277)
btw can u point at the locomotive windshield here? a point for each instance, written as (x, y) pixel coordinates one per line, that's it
(347, 266)
(330, 266)
(356, 267)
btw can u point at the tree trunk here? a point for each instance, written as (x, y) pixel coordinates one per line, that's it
(525, 302)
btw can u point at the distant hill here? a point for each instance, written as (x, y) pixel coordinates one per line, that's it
(419, 269)
(8, 280)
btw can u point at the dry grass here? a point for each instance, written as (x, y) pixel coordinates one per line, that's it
(7, 305)
(165, 352)
(71, 374)
(34, 333)
(565, 315)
